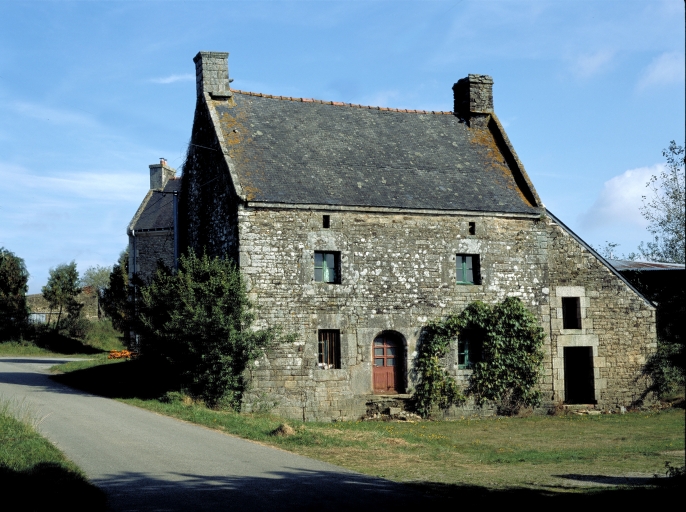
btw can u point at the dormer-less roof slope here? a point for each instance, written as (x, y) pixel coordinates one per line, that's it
(156, 211)
(299, 151)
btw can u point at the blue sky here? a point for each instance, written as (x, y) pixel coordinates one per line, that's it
(91, 93)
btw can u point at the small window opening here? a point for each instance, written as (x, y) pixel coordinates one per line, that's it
(571, 313)
(326, 221)
(327, 267)
(468, 269)
(469, 350)
(329, 349)
(472, 228)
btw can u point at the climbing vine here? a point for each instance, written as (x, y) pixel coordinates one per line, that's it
(511, 341)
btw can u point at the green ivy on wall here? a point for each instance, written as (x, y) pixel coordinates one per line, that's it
(509, 366)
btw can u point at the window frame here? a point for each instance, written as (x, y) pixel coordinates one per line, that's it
(336, 266)
(461, 260)
(467, 349)
(329, 349)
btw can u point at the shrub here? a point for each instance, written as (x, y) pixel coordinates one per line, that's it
(13, 287)
(196, 324)
(511, 342)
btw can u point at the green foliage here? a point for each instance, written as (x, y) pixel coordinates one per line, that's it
(196, 322)
(508, 374)
(666, 369)
(435, 387)
(62, 289)
(512, 355)
(665, 211)
(115, 296)
(13, 287)
(97, 278)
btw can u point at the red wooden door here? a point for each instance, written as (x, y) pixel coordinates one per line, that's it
(387, 365)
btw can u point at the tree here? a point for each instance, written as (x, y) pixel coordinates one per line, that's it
(97, 278)
(196, 322)
(13, 287)
(665, 209)
(62, 289)
(115, 297)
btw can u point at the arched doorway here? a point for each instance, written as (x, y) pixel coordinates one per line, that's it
(388, 364)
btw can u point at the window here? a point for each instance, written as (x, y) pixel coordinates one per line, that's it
(472, 228)
(327, 267)
(326, 221)
(468, 270)
(571, 313)
(329, 349)
(469, 351)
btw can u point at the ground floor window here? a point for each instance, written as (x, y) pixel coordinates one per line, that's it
(329, 349)
(469, 351)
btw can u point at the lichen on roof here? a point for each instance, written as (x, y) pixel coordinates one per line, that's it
(294, 150)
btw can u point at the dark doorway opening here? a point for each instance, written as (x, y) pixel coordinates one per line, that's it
(388, 359)
(579, 380)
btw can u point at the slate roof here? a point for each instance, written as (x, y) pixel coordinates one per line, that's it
(291, 150)
(156, 211)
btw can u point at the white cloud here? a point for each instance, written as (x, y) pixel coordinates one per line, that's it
(105, 186)
(591, 64)
(666, 69)
(186, 77)
(620, 200)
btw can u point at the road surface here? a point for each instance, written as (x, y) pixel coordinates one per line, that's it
(145, 461)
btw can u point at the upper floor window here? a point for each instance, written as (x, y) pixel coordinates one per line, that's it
(468, 269)
(571, 313)
(327, 267)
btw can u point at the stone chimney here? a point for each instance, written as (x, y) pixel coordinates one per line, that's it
(473, 95)
(212, 74)
(160, 174)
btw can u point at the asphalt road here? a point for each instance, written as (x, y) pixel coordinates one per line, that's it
(144, 461)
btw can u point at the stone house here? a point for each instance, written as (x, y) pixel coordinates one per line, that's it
(40, 311)
(355, 225)
(151, 231)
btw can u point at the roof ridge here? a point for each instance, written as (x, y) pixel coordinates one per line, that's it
(340, 103)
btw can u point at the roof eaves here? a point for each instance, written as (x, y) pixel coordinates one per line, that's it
(389, 209)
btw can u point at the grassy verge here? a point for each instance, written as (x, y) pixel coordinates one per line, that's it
(551, 454)
(34, 475)
(42, 340)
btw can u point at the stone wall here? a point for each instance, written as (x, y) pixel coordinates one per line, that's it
(616, 322)
(398, 271)
(146, 249)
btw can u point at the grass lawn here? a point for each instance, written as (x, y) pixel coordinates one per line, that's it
(542, 453)
(101, 337)
(34, 475)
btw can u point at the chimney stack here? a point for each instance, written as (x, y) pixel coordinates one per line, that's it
(212, 74)
(473, 95)
(160, 174)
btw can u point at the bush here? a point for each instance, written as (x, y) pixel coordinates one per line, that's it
(13, 287)
(195, 323)
(511, 342)
(512, 355)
